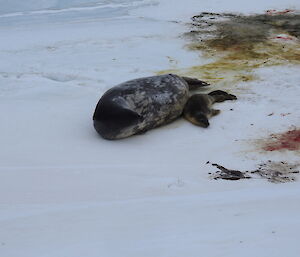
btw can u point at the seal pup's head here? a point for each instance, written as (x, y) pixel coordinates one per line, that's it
(197, 110)
(199, 119)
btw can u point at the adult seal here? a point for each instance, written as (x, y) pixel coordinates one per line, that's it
(139, 105)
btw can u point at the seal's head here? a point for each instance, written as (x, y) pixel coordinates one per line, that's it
(201, 120)
(197, 110)
(113, 122)
(197, 118)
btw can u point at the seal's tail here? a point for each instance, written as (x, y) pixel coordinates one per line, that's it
(195, 83)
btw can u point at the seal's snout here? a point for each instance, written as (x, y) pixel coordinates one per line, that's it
(201, 120)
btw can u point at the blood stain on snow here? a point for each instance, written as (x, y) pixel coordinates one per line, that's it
(276, 12)
(289, 140)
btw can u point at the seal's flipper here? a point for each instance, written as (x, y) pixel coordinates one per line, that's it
(195, 83)
(218, 92)
(221, 96)
(215, 112)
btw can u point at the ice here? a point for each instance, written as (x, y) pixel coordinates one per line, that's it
(65, 192)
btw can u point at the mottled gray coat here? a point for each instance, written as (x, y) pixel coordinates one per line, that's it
(146, 102)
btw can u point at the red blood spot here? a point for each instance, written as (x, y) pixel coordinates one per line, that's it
(284, 38)
(275, 12)
(289, 140)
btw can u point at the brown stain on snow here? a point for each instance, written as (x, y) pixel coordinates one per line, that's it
(238, 44)
(275, 172)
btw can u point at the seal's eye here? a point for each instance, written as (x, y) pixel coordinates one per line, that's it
(202, 120)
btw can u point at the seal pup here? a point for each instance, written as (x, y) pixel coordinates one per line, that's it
(138, 105)
(198, 108)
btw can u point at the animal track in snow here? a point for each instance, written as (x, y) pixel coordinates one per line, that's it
(59, 77)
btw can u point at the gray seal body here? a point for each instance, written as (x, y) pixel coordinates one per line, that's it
(138, 105)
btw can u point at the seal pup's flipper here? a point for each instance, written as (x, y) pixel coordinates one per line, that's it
(221, 96)
(218, 92)
(195, 83)
(215, 112)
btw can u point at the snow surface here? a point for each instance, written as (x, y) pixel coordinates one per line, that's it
(65, 192)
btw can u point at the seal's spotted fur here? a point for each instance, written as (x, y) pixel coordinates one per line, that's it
(138, 105)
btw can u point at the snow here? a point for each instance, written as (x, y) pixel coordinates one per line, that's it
(65, 192)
